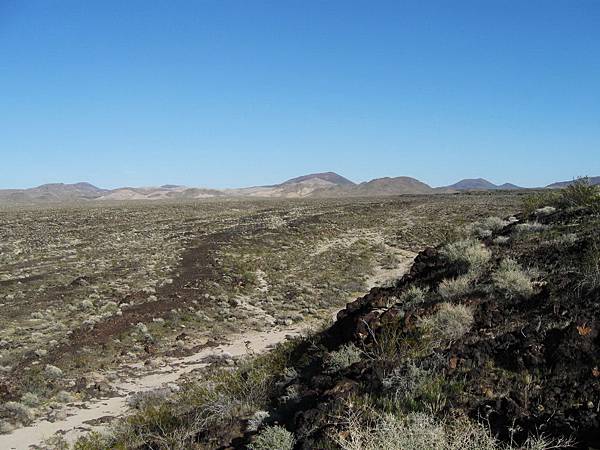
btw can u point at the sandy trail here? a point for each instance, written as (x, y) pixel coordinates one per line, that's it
(239, 345)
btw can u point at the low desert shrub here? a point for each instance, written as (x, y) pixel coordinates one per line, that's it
(405, 383)
(416, 431)
(53, 372)
(30, 399)
(467, 252)
(529, 227)
(256, 421)
(486, 227)
(501, 240)
(578, 193)
(590, 268)
(143, 399)
(545, 211)
(421, 431)
(412, 296)
(448, 323)
(273, 438)
(511, 280)
(6, 427)
(347, 355)
(455, 287)
(539, 200)
(63, 397)
(16, 411)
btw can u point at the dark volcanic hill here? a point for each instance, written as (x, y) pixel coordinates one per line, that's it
(378, 187)
(477, 184)
(472, 183)
(330, 177)
(392, 186)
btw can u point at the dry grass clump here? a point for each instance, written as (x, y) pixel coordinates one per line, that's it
(416, 431)
(30, 399)
(467, 252)
(448, 323)
(17, 412)
(273, 437)
(455, 287)
(512, 280)
(501, 240)
(419, 431)
(486, 227)
(545, 211)
(347, 355)
(6, 427)
(590, 269)
(256, 421)
(406, 382)
(529, 227)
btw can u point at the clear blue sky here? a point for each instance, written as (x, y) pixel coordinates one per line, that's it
(226, 93)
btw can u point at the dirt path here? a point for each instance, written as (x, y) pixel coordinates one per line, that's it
(92, 415)
(78, 414)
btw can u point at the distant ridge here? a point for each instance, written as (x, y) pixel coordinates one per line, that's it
(315, 185)
(52, 192)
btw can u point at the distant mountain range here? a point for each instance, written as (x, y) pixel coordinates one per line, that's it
(318, 185)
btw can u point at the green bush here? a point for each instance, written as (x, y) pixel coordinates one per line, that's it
(580, 193)
(539, 200)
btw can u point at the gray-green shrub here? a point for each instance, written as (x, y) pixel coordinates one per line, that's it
(347, 355)
(455, 287)
(468, 252)
(273, 438)
(449, 322)
(511, 280)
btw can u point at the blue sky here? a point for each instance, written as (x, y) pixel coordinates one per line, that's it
(226, 93)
